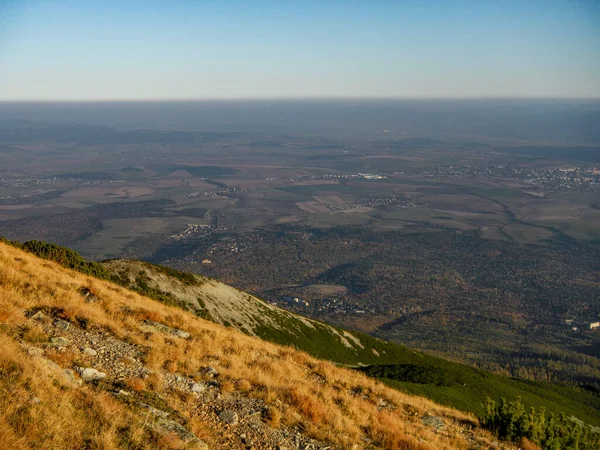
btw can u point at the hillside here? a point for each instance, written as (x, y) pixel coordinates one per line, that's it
(85, 363)
(445, 382)
(414, 372)
(229, 306)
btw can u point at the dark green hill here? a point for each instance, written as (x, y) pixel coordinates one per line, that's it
(467, 388)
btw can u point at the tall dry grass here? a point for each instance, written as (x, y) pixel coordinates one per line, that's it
(333, 404)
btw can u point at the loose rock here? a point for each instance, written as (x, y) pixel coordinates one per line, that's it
(157, 326)
(60, 341)
(198, 387)
(88, 374)
(211, 372)
(434, 422)
(89, 352)
(229, 417)
(171, 426)
(39, 316)
(62, 324)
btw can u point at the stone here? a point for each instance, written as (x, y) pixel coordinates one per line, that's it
(88, 374)
(157, 326)
(87, 295)
(60, 341)
(434, 422)
(89, 352)
(69, 374)
(154, 411)
(211, 372)
(170, 426)
(51, 364)
(34, 351)
(229, 417)
(62, 324)
(39, 316)
(198, 387)
(180, 333)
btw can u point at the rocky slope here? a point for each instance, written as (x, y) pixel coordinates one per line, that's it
(88, 364)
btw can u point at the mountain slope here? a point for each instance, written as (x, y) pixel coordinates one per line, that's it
(229, 306)
(85, 363)
(449, 383)
(445, 382)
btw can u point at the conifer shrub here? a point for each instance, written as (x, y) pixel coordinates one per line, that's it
(511, 421)
(66, 258)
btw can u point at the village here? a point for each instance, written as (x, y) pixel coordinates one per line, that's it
(567, 179)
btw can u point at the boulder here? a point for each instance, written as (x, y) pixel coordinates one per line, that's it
(88, 374)
(34, 351)
(154, 411)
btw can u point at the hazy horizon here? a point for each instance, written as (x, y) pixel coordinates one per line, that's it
(557, 120)
(304, 99)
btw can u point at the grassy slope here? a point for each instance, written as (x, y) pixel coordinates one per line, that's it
(40, 407)
(446, 382)
(449, 383)
(249, 314)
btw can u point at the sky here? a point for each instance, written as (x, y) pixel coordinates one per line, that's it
(165, 50)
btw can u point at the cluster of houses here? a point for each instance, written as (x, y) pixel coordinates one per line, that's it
(590, 326)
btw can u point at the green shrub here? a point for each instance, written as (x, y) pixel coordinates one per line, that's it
(66, 258)
(510, 421)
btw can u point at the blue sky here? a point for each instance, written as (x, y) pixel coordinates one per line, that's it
(104, 50)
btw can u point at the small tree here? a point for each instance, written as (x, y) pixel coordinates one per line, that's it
(510, 421)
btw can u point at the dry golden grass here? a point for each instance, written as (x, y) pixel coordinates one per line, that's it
(136, 384)
(331, 403)
(274, 417)
(36, 412)
(243, 385)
